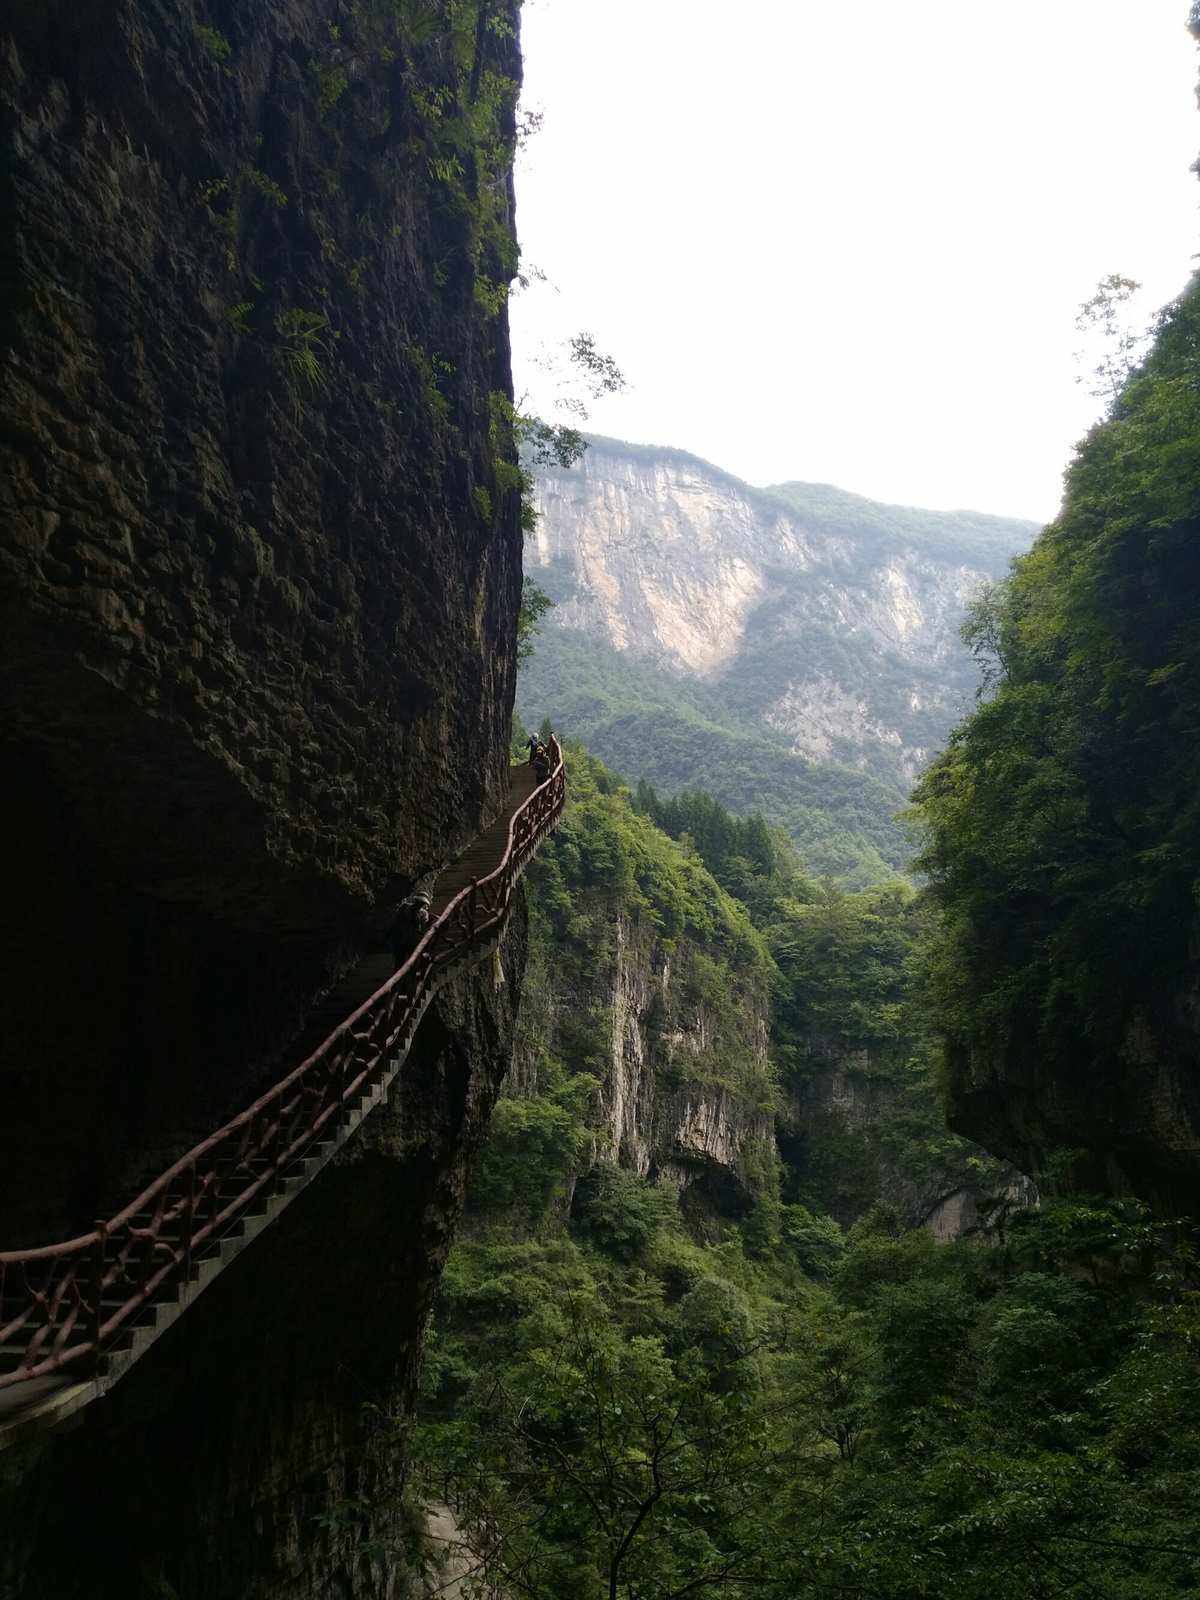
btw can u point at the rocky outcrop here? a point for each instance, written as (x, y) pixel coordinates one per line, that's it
(861, 1129)
(823, 617)
(1121, 1119)
(255, 625)
(685, 1086)
(259, 578)
(665, 1111)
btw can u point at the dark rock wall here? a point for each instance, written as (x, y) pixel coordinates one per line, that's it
(1123, 1120)
(866, 1127)
(248, 1455)
(258, 577)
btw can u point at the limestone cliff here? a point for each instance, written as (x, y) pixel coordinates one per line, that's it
(828, 621)
(664, 1033)
(644, 1037)
(259, 576)
(684, 1084)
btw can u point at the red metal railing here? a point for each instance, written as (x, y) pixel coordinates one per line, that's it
(63, 1304)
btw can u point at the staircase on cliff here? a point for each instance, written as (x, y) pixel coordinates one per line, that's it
(74, 1317)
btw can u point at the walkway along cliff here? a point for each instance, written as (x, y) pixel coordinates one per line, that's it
(96, 1303)
(260, 573)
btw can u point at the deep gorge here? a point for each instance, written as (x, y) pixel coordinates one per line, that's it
(792, 1203)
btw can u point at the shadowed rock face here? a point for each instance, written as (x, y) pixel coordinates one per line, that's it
(252, 611)
(256, 607)
(258, 594)
(1116, 1121)
(854, 1132)
(250, 1452)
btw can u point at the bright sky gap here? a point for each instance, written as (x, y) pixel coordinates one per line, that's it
(848, 244)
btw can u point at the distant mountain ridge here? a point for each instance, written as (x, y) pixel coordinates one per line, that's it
(793, 647)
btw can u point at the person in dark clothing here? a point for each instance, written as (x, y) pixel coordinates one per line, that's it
(412, 919)
(534, 747)
(541, 764)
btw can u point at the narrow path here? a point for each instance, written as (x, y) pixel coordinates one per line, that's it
(75, 1316)
(482, 856)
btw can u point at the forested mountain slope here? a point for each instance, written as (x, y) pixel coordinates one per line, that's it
(745, 1034)
(794, 650)
(1064, 819)
(659, 1366)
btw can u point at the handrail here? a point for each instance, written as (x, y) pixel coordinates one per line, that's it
(65, 1302)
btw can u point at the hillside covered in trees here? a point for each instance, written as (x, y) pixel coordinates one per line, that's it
(661, 1366)
(792, 650)
(1063, 821)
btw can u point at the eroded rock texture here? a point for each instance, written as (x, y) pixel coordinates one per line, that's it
(864, 1127)
(259, 575)
(1105, 1121)
(258, 587)
(684, 1082)
(815, 614)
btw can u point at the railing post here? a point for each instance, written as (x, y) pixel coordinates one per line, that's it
(191, 1223)
(471, 899)
(99, 1255)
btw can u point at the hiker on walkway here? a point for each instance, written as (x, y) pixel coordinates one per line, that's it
(412, 919)
(534, 747)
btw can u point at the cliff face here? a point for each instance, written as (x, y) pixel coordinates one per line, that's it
(863, 1128)
(644, 1038)
(684, 1085)
(1062, 826)
(255, 663)
(663, 1033)
(259, 577)
(248, 1452)
(1110, 1120)
(825, 619)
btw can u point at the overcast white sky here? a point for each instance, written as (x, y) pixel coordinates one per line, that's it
(845, 240)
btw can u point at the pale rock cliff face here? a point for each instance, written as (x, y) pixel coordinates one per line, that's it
(668, 565)
(844, 641)
(670, 1107)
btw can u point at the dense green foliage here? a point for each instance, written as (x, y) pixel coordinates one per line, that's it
(747, 929)
(679, 733)
(609, 892)
(1063, 821)
(653, 1418)
(626, 1398)
(845, 992)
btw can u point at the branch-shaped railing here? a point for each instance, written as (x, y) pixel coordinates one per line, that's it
(63, 1304)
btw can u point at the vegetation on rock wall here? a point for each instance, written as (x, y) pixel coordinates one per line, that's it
(1063, 842)
(260, 550)
(674, 733)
